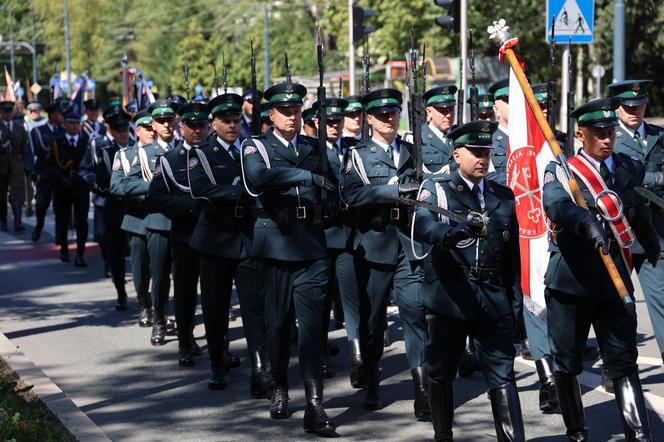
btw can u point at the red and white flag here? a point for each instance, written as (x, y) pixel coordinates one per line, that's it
(528, 156)
(9, 93)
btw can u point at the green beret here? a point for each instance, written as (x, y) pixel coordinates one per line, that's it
(630, 92)
(441, 96)
(382, 101)
(285, 94)
(334, 108)
(191, 112)
(476, 134)
(500, 89)
(225, 103)
(600, 112)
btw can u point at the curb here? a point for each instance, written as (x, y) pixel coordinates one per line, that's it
(77, 422)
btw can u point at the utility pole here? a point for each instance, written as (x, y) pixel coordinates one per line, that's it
(351, 49)
(67, 57)
(11, 44)
(463, 15)
(34, 52)
(619, 40)
(266, 48)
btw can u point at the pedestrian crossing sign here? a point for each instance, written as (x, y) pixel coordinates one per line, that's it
(574, 20)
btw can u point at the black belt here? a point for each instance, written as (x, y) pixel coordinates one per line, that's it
(385, 215)
(289, 214)
(483, 273)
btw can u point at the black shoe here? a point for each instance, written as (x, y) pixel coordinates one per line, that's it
(186, 355)
(507, 416)
(195, 348)
(571, 406)
(525, 350)
(121, 304)
(169, 324)
(261, 383)
(36, 234)
(548, 400)
(357, 377)
(79, 261)
(607, 383)
(441, 399)
(279, 403)
(158, 336)
(632, 408)
(218, 379)
(372, 399)
(328, 373)
(64, 255)
(315, 418)
(145, 318)
(468, 364)
(421, 402)
(231, 361)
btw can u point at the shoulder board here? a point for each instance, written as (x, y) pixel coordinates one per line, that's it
(441, 177)
(358, 146)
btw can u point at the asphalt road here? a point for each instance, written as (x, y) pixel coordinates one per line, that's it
(63, 319)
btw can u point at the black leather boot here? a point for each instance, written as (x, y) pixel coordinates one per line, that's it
(17, 208)
(261, 380)
(571, 407)
(421, 402)
(158, 336)
(632, 408)
(357, 376)
(506, 410)
(548, 400)
(315, 418)
(279, 403)
(145, 318)
(441, 399)
(185, 349)
(372, 399)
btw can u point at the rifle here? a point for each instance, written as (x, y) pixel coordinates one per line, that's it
(474, 93)
(366, 61)
(551, 85)
(460, 95)
(322, 125)
(224, 73)
(423, 68)
(255, 99)
(215, 81)
(186, 80)
(417, 119)
(287, 68)
(569, 146)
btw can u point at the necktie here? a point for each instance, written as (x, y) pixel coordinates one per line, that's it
(476, 193)
(234, 152)
(292, 148)
(639, 141)
(606, 174)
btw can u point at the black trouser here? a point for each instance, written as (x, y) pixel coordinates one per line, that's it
(186, 268)
(116, 242)
(4, 188)
(98, 231)
(217, 275)
(140, 268)
(43, 197)
(569, 318)
(295, 287)
(160, 269)
(63, 201)
(343, 286)
(493, 340)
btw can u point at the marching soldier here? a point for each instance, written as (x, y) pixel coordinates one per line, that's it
(13, 164)
(92, 127)
(70, 190)
(133, 222)
(498, 165)
(223, 237)
(436, 147)
(471, 281)
(283, 169)
(353, 117)
(170, 194)
(375, 175)
(645, 142)
(157, 226)
(342, 279)
(579, 291)
(45, 172)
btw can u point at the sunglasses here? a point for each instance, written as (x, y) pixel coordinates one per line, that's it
(163, 120)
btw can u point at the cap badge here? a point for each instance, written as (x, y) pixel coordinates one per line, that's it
(289, 89)
(486, 127)
(636, 87)
(607, 114)
(384, 93)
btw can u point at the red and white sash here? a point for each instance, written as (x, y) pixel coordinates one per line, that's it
(607, 202)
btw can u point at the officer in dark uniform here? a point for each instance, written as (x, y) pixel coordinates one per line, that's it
(14, 163)
(353, 117)
(45, 172)
(375, 175)
(309, 127)
(579, 291)
(133, 222)
(283, 169)
(70, 190)
(96, 167)
(223, 237)
(171, 195)
(157, 226)
(485, 107)
(340, 224)
(471, 281)
(177, 101)
(247, 112)
(645, 142)
(266, 123)
(92, 127)
(498, 168)
(436, 147)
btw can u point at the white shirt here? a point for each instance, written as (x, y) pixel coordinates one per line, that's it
(437, 132)
(164, 145)
(641, 130)
(284, 141)
(395, 150)
(597, 163)
(72, 139)
(471, 185)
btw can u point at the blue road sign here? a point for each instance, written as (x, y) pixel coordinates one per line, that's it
(575, 20)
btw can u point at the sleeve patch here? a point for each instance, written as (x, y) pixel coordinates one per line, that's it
(116, 164)
(193, 162)
(424, 194)
(250, 150)
(548, 177)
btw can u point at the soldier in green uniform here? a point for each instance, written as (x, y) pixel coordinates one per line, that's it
(133, 222)
(485, 107)
(223, 237)
(13, 165)
(375, 175)
(579, 291)
(471, 280)
(440, 105)
(283, 169)
(645, 142)
(498, 167)
(353, 117)
(157, 226)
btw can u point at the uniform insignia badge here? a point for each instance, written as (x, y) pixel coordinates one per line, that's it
(607, 113)
(424, 194)
(182, 152)
(607, 104)
(116, 164)
(499, 138)
(157, 170)
(216, 149)
(289, 89)
(249, 150)
(193, 162)
(548, 177)
(486, 127)
(384, 93)
(506, 235)
(459, 188)
(465, 243)
(373, 149)
(636, 87)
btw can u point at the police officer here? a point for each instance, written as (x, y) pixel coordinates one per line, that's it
(13, 164)
(91, 125)
(579, 291)
(283, 169)
(44, 171)
(223, 237)
(645, 142)
(436, 147)
(471, 281)
(133, 222)
(342, 279)
(171, 195)
(375, 175)
(157, 226)
(353, 117)
(70, 190)
(498, 166)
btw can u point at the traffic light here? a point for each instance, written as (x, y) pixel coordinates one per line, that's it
(452, 21)
(359, 29)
